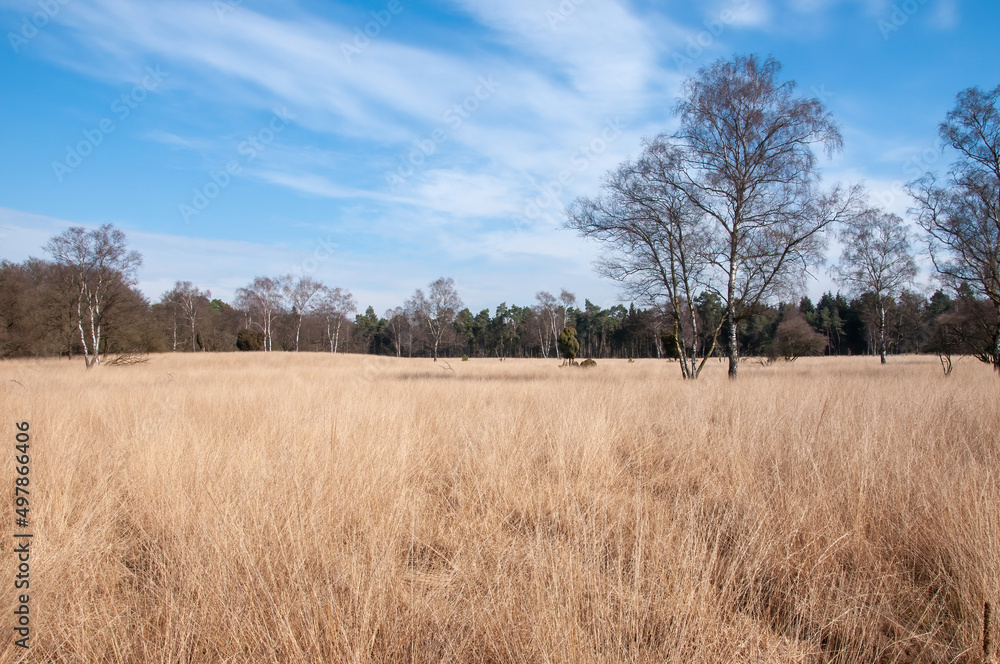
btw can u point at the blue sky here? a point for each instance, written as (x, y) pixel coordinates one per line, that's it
(380, 145)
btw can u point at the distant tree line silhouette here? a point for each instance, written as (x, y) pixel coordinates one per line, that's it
(38, 319)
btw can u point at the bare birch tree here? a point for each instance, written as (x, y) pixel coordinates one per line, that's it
(413, 327)
(437, 309)
(335, 305)
(98, 268)
(962, 215)
(540, 323)
(173, 309)
(399, 322)
(265, 298)
(548, 312)
(656, 242)
(877, 259)
(746, 161)
(555, 312)
(189, 301)
(302, 296)
(566, 301)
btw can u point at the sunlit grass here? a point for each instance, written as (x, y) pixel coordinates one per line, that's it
(308, 507)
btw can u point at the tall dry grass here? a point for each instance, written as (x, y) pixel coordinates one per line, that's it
(309, 508)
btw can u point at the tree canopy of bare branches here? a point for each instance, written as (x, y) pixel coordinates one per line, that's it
(732, 196)
(399, 323)
(302, 295)
(553, 314)
(189, 301)
(656, 240)
(334, 305)
(747, 162)
(877, 258)
(264, 298)
(97, 269)
(437, 309)
(962, 214)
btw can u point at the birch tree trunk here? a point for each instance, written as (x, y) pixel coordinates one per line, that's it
(881, 330)
(95, 336)
(695, 369)
(681, 351)
(734, 351)
(83, 336)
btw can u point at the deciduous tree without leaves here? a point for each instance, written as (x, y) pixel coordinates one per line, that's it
(335, 305)
(302, 296)
(962, 214)
(189, 301)
(437, 309)
(745, 151)
(97, 269)
(264, 297)
(656, 242)
(876, 259)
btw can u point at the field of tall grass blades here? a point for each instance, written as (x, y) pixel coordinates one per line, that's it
(314, 508)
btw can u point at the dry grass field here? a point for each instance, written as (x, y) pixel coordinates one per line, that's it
(316, 508)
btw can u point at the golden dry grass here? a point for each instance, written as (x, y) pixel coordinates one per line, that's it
(311, 508)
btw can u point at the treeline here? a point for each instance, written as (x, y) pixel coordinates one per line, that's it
(38, 317)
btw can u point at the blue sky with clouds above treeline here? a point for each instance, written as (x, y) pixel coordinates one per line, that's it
(380, 145)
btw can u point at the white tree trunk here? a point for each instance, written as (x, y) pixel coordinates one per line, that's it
(95, 336)
(734, 351)
(83, 336)
(881, 331)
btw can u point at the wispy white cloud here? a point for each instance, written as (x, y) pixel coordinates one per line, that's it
(317, 185)
(564, 34)
(167, 138)
(743, 14)
(298, 63)
(530, 123)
